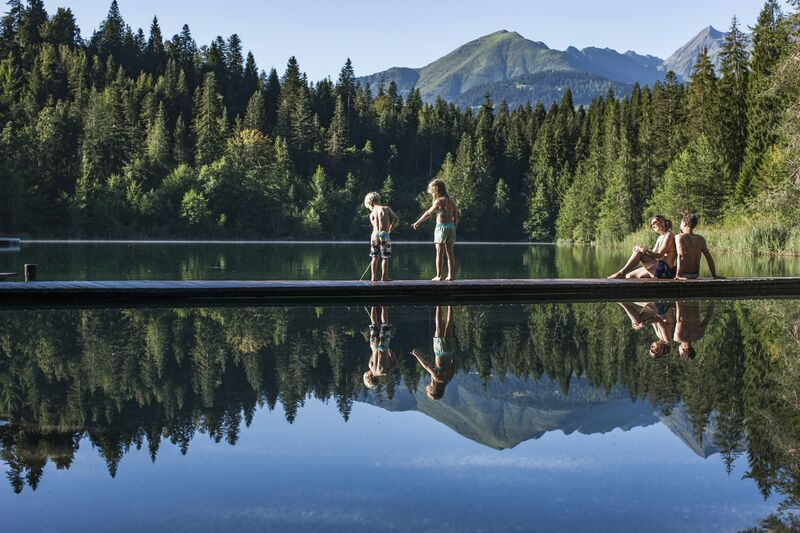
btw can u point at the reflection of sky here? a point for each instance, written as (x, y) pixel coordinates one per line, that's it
(393, 471)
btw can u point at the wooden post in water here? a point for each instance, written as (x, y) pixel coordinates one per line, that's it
(30, 272)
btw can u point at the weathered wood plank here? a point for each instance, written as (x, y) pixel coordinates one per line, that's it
(77, 293)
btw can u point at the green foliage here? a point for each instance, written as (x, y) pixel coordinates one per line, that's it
(694, 183)
(105, 137)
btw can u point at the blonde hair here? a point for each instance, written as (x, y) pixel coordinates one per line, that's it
(371, 199)
(438, 186)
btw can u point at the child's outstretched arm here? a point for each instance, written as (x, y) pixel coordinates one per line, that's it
(426, 215)
(422, 361)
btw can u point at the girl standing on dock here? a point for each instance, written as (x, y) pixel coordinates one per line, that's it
(444, 236)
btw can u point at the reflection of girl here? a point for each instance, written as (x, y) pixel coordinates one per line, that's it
(383, 358)
(444, 356)
(659, 315)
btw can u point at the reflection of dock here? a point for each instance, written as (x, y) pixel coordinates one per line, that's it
(199, 293)
(9, 244)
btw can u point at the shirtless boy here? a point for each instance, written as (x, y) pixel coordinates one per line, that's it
(690, 247)
(383, 220)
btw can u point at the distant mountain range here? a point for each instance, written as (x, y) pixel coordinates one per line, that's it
(519, 70)
(515, 410)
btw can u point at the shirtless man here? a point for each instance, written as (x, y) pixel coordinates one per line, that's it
(383, 220)
(690, 247)
(689, 327)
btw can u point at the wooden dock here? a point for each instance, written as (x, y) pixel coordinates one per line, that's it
(212, 293)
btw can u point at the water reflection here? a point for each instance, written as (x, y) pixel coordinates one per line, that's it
(133, 379)
(677, 322)
(444, 365)
(190, 261)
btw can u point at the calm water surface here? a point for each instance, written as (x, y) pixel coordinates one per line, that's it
(91, 261)
(551, 417)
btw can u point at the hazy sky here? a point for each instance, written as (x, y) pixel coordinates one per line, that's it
(377, 35)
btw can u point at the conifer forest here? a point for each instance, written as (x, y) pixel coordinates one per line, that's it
(127, 133)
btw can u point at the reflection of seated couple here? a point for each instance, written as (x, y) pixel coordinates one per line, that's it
(673, 323)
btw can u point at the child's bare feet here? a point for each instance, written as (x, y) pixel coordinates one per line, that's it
(386, 278)
(437, 278)
(449, 278)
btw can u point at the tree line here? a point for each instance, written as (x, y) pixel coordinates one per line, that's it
(127, 134)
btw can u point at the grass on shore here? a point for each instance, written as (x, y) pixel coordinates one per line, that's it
(746, 237)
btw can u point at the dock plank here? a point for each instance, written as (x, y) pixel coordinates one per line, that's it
(251, 292)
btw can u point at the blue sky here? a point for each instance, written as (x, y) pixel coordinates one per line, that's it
(412, 33)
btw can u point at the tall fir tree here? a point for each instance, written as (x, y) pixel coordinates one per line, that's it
(770, 42)
(734, 76)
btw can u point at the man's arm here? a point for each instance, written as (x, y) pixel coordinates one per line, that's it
(710, 261)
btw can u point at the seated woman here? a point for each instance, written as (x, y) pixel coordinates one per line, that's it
(656, 263)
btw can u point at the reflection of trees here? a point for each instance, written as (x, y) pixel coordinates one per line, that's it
(129, 379)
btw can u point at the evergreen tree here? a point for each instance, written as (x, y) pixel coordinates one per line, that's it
(770, 41)
(733, 83)
(255, 115)
(703, 101)
(209, 123)
(693, 184)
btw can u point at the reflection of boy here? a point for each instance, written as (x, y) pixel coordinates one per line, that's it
(689, 327)
(383, 358)
(444, 356)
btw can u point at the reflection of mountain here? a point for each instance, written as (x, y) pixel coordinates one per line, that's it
(514, 410)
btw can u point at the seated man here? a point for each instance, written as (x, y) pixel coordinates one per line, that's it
(690, 247)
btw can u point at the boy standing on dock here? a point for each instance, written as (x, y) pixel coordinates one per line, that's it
(383, 220)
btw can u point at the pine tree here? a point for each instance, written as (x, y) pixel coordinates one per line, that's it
(272, 96)
(255, 115)
(155, 56)
(733, 83)
(770, 41)
(158, 142)
(209, 123)
(337, 133)
(703, 101)
(693, 184)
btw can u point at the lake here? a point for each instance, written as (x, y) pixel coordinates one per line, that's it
(664, 416)
(331, 260)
